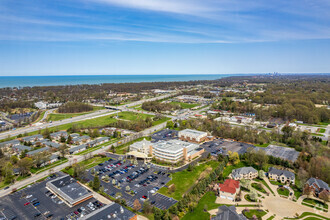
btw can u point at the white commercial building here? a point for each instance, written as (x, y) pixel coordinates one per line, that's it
(192, 135)
(173, 151)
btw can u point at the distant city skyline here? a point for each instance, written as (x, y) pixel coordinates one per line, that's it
(129, 37)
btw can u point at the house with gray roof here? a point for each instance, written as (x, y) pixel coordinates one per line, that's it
(57, 135)
(81, 139)
(9, 144)
(20, 148)
(317, 186)
(36, 137)
(283, 176)
(78, 149)
(51, 144)
(228, 213)
(34, 152)
(244, 173)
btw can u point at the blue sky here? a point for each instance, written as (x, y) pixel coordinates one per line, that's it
(39, 37)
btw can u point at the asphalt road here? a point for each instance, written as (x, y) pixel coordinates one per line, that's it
(100, 113)
(76, 159)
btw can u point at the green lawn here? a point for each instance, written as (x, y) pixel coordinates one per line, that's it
(61, 116)
(262, 145)
(47, 167)
(276, 183)
(258, 186)
(318, 135)
(133, 116)
(315, 203)
(92, 162)
(283, 191)
(185, 105)
(97, 147)
(208, 202)
(321, 130)
(305, 214)
(257, 213)
(265, 184)
(183, 180)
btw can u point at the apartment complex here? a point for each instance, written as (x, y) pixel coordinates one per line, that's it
(244, 173)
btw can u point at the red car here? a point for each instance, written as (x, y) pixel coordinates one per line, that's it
(145, 197)
(26, 203)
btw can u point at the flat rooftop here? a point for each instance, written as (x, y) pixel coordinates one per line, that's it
(194, 132)
(69, 189)
(111, 211)
(174, 146)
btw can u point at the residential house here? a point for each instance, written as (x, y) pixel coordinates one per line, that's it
(58, 135)
(52, 144)
(18, 149)
(9, 144)
(317, 186)
(77, 149)
(283, 176)
(34, 152)
(228, 213)
(32, 138)
(244, 173)
(229, 189)
(81, 139)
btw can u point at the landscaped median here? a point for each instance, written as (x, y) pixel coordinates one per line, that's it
(50, 166)
(313, 203)
(310, 216)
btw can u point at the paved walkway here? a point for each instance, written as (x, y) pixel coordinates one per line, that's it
(273, 187)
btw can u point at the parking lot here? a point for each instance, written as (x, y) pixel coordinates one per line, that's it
(144, 182)
(36, 202)
(221, 146)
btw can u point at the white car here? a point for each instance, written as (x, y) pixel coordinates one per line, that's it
(60, 202)
(28, 196)
(53, 197)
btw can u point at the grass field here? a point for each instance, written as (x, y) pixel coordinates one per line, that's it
(185, 105)
(262, 145)
(310, 214)
(315, 203)
(283, 191)
(183, 180)
(258, 187)
(97, 147)
(321, 130)
(47, 167)
(132, 116)
(208, 202)
(88, 163)
(257, 213)
(61, 116)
